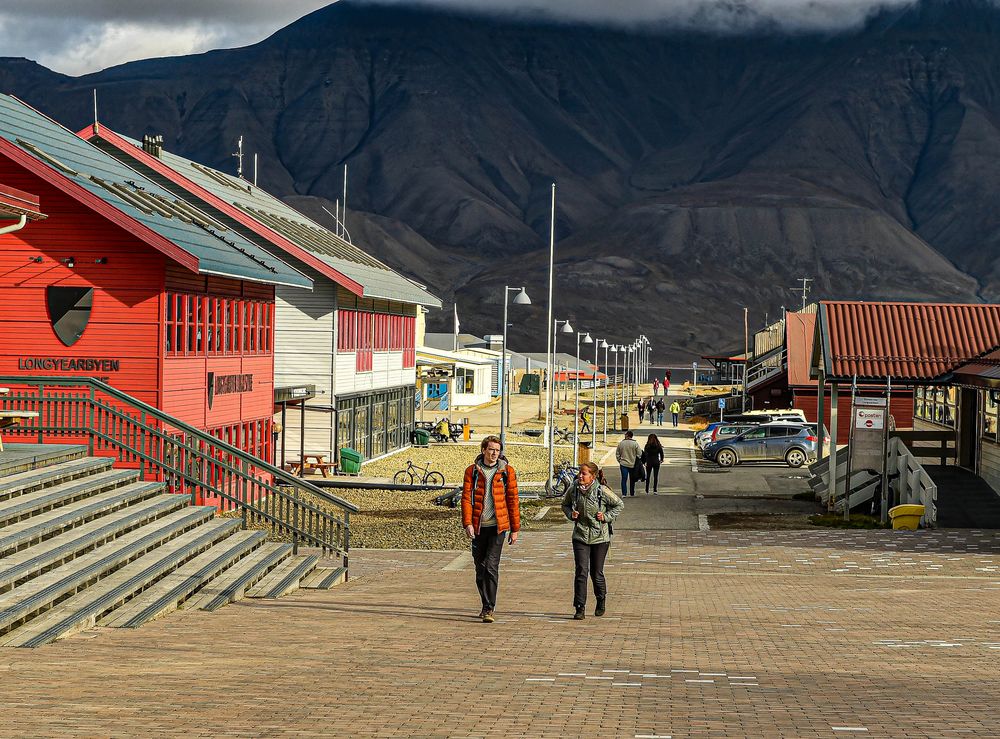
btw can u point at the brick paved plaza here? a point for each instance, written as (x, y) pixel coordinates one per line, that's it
(790, 634)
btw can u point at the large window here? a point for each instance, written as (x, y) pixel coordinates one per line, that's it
(936, 404)
(990, 414)
(465, 380)
(377, 423)
(202, 325)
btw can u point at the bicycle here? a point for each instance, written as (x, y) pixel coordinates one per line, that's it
(426, 475)
(562, 480)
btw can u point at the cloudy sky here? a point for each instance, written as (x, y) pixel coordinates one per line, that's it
(80, 36)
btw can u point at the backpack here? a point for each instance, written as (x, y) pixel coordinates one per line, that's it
(475, 482)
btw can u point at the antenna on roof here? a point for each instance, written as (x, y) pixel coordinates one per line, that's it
(344, 226)
(255, 170)
(97, 126)
(804, 289)
(239, 157)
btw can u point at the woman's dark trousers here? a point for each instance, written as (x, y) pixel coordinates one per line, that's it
(589, 563)
(486, 550)
(652, 473)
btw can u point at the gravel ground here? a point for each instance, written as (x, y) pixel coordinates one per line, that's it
(529, 460)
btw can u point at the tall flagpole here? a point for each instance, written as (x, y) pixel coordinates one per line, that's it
(548, 346)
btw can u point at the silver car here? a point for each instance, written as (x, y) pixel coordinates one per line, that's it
(792, 443)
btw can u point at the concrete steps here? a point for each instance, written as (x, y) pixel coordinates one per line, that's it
(172, 590)
(284, 578)
(232, 585)
(324, 578)
(83, 609)
(82, 543)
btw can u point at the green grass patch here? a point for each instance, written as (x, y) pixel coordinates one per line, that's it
(836, 521)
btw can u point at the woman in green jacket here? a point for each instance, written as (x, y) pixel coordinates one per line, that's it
(592, 507)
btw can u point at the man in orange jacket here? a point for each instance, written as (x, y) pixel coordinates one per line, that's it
(489, 511)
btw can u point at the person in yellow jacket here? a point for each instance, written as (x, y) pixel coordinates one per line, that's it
(675, 411)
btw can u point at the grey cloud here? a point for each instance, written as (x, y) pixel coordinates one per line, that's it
(80, 36)
(732, 16)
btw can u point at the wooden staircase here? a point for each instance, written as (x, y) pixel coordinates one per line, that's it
(84, 544)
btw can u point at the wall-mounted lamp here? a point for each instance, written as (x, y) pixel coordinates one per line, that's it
(70, 262)
(36, 260)
(101, 260)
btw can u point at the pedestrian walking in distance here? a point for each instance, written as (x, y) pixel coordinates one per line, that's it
(656, 386)
(490, 512)
(585, 420)
(660, 408)
(654, 458)
(675, 411)
(641, 405)
(627, 453)
(592, 507)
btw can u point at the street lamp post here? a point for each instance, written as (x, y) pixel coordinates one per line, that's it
(520, 299)
(607, 377)
(550, 421)
(614, 390)
(593, 421)
(576, 400)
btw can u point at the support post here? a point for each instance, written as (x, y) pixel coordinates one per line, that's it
(833, 446)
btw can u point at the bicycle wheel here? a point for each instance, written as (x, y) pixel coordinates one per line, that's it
(434, 478)
(403, 477)
(555, 487)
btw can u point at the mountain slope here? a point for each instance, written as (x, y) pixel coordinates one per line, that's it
(696, 173)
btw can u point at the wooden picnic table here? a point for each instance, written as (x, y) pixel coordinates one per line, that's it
(312, 461)
(12, 418)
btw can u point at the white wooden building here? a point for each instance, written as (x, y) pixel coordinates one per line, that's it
(353, 336)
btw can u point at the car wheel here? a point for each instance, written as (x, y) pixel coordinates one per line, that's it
(725, 458)
(795, 458)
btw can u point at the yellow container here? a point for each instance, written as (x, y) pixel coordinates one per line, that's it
(906, 517)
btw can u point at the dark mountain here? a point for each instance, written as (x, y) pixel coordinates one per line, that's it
(697, 173)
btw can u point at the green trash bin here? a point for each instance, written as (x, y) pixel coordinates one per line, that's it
(421, 437)
(350, 461)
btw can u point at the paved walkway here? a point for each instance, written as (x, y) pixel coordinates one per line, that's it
(736, 634)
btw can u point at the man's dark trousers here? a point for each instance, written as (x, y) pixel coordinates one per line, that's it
(486, 550)
(589, 562)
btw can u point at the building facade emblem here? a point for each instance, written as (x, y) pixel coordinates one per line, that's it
(69, 311)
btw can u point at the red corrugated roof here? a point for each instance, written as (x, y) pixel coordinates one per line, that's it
(909, 341)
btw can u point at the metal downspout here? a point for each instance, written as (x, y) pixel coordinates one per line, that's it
(22, 222)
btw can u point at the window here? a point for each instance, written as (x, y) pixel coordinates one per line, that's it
(990, 414)
(758, 434)
(936, 404)
(202, 325)
(465, 380)
(409, 341)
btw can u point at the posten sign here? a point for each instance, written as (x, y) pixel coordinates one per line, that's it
(868, 435)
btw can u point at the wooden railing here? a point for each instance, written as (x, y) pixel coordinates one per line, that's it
(938, 446)
(188, 460)
(913, 484)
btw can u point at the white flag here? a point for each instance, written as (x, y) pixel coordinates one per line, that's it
(456, 326)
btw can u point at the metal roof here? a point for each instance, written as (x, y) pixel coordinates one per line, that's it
(139, 205)
(983, 371)
(376, 279)
(903, 341)
(16, 203)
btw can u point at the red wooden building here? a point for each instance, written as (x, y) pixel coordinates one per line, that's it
(122, 282)
(779, 376)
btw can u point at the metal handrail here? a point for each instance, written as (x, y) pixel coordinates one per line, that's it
(765, 366)
(181, 455)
